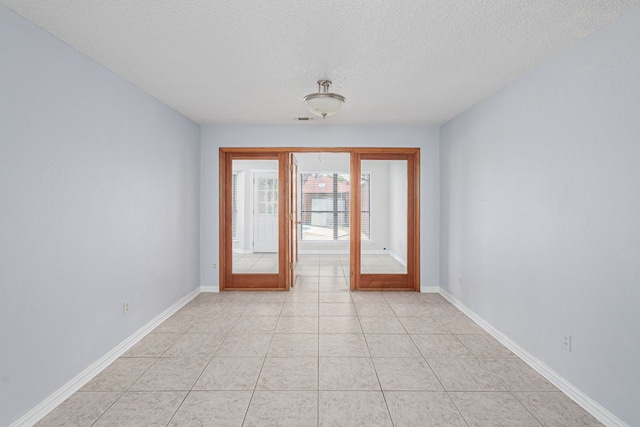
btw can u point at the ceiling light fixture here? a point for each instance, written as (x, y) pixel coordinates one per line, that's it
(324, 103)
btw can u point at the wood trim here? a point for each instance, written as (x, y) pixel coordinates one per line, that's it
(224, 193)
(411, 280)
(386, 282)
(245, 281)
(256, 282)
(354, 224)
(416, 220)
(253, 152)
(282, 280)
(283, 244)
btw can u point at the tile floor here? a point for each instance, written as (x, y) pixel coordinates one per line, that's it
(318, 356)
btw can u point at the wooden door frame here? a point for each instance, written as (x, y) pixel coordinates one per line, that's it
(388, 282)
(282, 280)
(245, 281)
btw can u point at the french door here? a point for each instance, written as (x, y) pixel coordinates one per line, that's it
(396, 265)
(384, 239)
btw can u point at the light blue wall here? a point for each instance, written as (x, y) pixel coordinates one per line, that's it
(540, 213)
(99, 202)
(426, 138)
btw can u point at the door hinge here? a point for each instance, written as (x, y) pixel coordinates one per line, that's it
(290, 266)
(290, 167)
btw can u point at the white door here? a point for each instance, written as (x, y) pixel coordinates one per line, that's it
(265, 212)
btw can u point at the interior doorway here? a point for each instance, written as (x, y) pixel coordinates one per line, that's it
(355, 210)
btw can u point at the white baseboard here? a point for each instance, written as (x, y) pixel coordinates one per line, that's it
(430, 289)
(590, 405)
(209, 289)
(398, 258)
(64, 392)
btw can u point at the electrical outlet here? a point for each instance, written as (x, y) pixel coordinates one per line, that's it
(566, 342)
(215, 265)
(125, 308)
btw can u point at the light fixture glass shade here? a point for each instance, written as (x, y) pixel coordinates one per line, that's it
(324, 103)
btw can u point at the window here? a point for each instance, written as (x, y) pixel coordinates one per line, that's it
(267, 196)
(324, 206)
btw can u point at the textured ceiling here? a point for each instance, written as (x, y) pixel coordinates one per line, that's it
(252, 61)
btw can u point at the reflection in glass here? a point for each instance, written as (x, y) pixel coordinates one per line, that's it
(254, 216)
(384, 217)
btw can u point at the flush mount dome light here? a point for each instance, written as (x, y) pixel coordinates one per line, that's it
(324, 103)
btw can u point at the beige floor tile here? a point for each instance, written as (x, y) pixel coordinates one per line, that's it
(306, 286)
(406, 310)
(412, 409)
(440, 346)
(300, 309)
(517, 375)
(362, 297)
(343, 345)
(81, 409)
(331, 271)
(444, 310)
(493, 409)
(293, 345)
(335, 297)
(382, 325)
(464, 374)
(176, 324)
(263, 309)
(227, 310)
(337, 309)
(301, 358)
(391, 345)
(402, 297)
(213, 325)
(230, 374)
(406, 374)
(374, 309)
(255, 325)
(348, 373)
(424, 325)
(556, 409)
(303, 278)
(353, 408)
(339, 325)
(333, 287)
(212, 408)
(432, 298)
(134, 409)
(297, 325)
(153, 345)
(272, 297)
(295, 296)
(120, 375)
(297, 373)
(195, 346)
(461, 325)
(244, 345)
(282, 409)
(485, 346)
(171, 374)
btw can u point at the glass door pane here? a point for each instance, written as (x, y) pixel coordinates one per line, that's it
(383, 228)
(255, 216)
